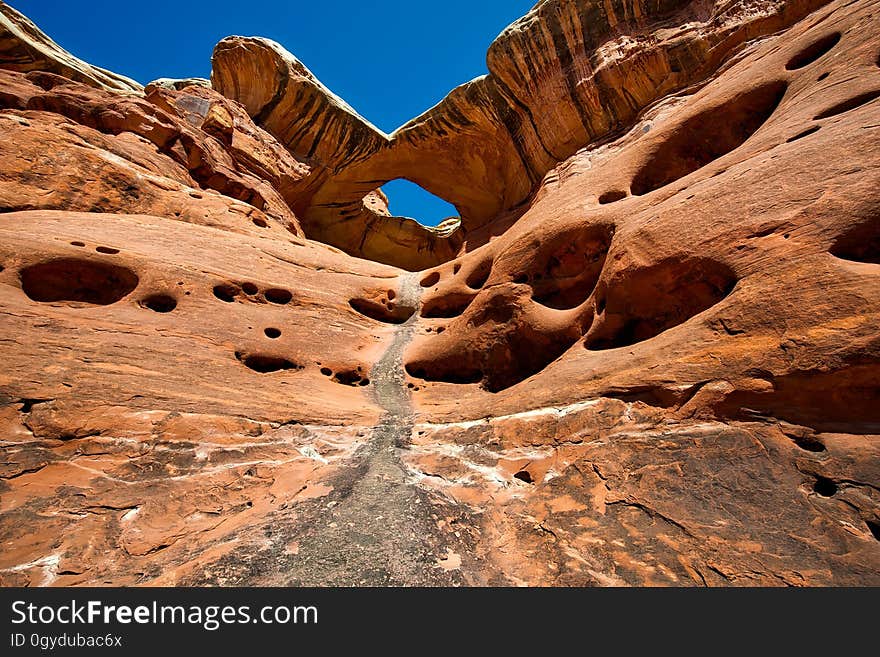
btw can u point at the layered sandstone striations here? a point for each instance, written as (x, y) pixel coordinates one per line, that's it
(648, 355)
(566, 75)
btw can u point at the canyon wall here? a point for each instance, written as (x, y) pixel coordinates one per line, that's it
(646, 354)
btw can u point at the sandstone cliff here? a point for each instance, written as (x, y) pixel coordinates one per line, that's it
(647, 355)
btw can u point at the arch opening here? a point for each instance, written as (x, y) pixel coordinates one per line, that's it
(407, 199)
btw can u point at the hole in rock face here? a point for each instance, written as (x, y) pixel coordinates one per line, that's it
(524, 475)
(447, 306)
(77, 244)
(456, 268)
(847, 105)
(503, 344)
(801, 135)
(272, 333)
(707, 136)
(226, 292)
(809, 443)
(326, 371)
(461, 375)
(860, 244)
(874, 528)
(266, 364)
(249, 288)
(643, 303)
(430, 280)
(813, 52)
(822, 77)
(106, 249)
(612, 196)
(477, 278)
(83, 281)
(407, 199)
(350, 377)
(568, 265)
(389, 314)
(277, 295)
(160, 303)
(260, 222)
(824, 486)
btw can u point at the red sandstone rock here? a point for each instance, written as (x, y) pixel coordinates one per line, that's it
(652, 359)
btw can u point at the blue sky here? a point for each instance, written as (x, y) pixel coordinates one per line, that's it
(391, 60)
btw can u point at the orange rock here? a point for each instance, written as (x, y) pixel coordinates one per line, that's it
(647, 356)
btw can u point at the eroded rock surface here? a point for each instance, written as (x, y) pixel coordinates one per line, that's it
(648, 356)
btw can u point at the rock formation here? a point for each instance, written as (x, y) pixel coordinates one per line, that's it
(646, 355)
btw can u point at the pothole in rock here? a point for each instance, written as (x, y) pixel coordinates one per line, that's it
(707, 136)
(384, 310)
(860, 244)
(77, 280)
(849, 104)
(278, 296)
(813, 52)
(250, 292)
(824, 486)
(805, 133)
(566, 268)
(347, 376)
(447, 305)
(478, 277)
(641, 304)
(266, 364)
(160, 303)
(612, 196)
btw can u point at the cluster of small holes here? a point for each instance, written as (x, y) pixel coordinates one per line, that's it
(228, 292)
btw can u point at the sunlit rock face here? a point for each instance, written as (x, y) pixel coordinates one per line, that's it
(646, 353)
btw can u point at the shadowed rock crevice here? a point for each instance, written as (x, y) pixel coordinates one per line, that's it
(849, 104)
